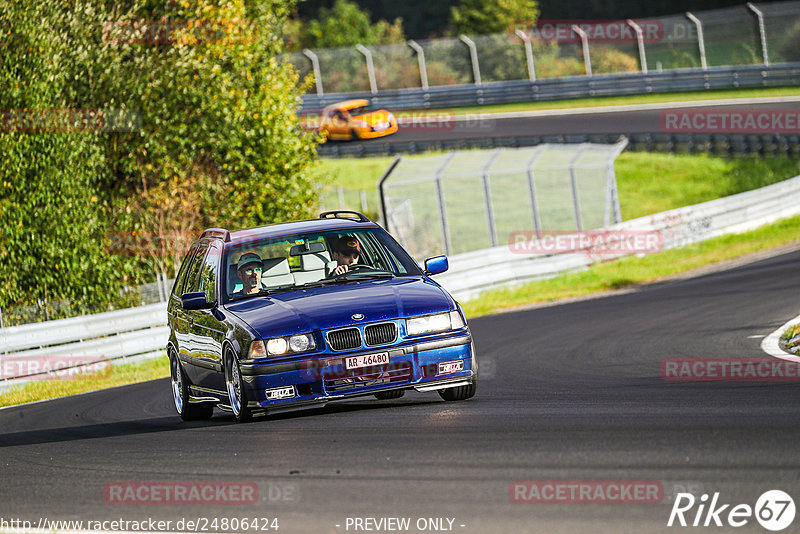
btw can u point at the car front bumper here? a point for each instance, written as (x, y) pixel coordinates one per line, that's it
(316, 381)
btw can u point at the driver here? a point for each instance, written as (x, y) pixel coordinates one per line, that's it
(347, 252)
(249, 270)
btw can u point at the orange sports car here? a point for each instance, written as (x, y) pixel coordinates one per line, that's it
(352, 120)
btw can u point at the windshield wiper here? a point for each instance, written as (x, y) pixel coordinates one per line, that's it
(262, 293)
(361, 275)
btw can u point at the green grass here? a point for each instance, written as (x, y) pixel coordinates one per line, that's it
(628, 100)
(633, 270)
(116, 376)
(791, 332)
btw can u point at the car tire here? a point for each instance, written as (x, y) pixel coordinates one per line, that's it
(459, 393)
(394, 394)
(180, 394)
(235, 388)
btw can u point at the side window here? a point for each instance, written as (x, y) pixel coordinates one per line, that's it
(177, 288)
(193, 276)
(208, 274)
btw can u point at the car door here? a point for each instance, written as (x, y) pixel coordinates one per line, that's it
(207, 330)
(179, 317)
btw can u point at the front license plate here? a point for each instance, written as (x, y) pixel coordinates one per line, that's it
(354, 362)
(280, 393)
(451, 367)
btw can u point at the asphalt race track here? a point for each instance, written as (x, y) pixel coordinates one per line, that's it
(442, 126)
(570, 392)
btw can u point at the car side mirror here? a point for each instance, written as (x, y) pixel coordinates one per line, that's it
(194, 301)
(436, 265)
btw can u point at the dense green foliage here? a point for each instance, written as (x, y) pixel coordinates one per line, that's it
(476, 17)
(206, 134)
(344, 24)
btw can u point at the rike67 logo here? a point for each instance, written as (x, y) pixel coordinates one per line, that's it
(774, 510)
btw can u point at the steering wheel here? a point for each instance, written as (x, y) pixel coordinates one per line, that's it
(354, 267)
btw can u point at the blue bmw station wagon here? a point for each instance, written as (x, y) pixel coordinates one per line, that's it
(300, 314)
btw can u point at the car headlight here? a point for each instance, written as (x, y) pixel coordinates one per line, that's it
(362, 124)
(390, 117)
(283, 345)
(437, 322)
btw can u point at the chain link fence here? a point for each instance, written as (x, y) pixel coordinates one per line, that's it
(473, 200)
(744, 35)
(49, 310)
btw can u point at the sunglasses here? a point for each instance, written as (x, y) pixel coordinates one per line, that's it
(252, 270)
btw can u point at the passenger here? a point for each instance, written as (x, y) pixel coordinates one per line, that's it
(249, 270)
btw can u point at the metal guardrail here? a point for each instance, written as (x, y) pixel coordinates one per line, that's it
(47, 348)
(694, 143)
(637, 83)
(474, 272)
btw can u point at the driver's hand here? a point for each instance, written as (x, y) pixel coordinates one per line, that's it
(341, 269)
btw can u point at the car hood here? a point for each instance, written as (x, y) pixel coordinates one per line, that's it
(323, 308)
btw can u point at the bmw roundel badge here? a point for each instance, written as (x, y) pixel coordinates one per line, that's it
(357, 316)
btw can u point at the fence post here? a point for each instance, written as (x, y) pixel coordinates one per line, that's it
(440, 200)
(612, 194)
(364, 201)
(160, 288)
(487, 198)
(423, 70)
(537, 220)
(340, 191)
(587, 61)
(381, 193)
(700, 41)
(761, 31)
(473, 54)
(315, 66)
(373, 86)
(640, 42)
(1, 318)
(576, 205)
(528, 54)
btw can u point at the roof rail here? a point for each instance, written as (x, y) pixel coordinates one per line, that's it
(335, 215)
(218, 233)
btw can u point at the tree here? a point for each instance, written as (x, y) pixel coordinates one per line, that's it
(477, 17)
(345, 24)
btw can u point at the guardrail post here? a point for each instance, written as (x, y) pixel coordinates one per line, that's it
(423, 70)
(528, 54)
(700, 41)
(160, 286)
(761, 31)
(440, 199)
(373, 86)
(487, 197)
(315, 66)
(473, 54)
(537, 221)
(574, 183)
(363, 201)
(640, 42)
(585, 43)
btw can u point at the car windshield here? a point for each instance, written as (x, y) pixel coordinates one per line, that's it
(360, 110)
(308, 259)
